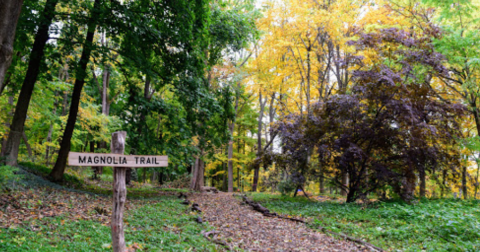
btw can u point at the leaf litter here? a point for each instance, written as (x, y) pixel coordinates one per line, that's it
(241, 228)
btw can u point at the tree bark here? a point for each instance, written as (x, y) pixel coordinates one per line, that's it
(344, 183)
(225, 175)
(59, 168)
(23, 102)
(464, 182)
(9, 14)
(321, 181)
(422, 183)
(197, 178)
(50, 131)
(29, 148)
(259, 142)
(119, 193)
(231, 127)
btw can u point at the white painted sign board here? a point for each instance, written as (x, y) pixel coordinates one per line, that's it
(116, 160)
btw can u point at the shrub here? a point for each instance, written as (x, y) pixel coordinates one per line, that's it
(286, 187)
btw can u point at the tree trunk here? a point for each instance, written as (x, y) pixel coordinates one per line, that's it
(407, 189)
(160, 178)
(256, 171)
(259, 142)
(59, 168)
(128, 176)
(224, 182)
(230, 156)
(96, 170)
(197, 178)
(321, 181)
(422, 183)
(464, 182)
(50, 130)
(23, 102)
(444, 183)
(352, 195)
(344, 183)
(9, 14)
(29, 148)
(476, 179)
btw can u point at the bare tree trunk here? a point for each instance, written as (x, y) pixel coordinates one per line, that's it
(29, 148)
(230, 156)
(321, 181)
(259, 142)
(422, 183)
(59, 168)
(23, 102)
(344, 183)
(197, 178)
(50, 131)
(407, 188)
(476, 179)
(224, 182)
(464, 182)
(9, 14)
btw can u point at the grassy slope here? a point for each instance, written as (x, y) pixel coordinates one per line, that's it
(154, 224)
(431, 225)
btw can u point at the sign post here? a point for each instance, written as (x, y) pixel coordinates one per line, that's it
(119, 162)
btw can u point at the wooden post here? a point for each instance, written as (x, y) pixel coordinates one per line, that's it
(119, 194)
(120, 163)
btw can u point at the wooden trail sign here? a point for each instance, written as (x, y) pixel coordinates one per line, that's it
(120, 162)
(116, 160)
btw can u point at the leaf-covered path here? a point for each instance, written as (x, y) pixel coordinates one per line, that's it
(241, 227)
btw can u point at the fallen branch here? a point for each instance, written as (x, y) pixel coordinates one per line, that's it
(346, 237)
(259, 208)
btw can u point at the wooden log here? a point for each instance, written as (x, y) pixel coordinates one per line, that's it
(119, 194)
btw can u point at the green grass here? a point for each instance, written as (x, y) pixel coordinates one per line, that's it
(8, 177)
(41, 170)
(156, 226)
(430, 225)
(156, 223)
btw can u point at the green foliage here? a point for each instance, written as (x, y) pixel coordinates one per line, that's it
(8, 177)
(286, 187)
(431, 225)
(43, 171)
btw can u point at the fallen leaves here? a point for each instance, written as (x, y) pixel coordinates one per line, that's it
(239, 226)
(20, 206)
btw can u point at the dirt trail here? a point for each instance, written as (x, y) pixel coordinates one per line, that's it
(241, 227)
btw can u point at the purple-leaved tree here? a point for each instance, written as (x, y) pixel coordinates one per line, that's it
(388, 128)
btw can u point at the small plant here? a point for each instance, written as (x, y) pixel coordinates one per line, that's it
(8, 177)
(286, 187)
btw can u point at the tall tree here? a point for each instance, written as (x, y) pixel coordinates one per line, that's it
(80, 74)
(23, 102)
(9, 14)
